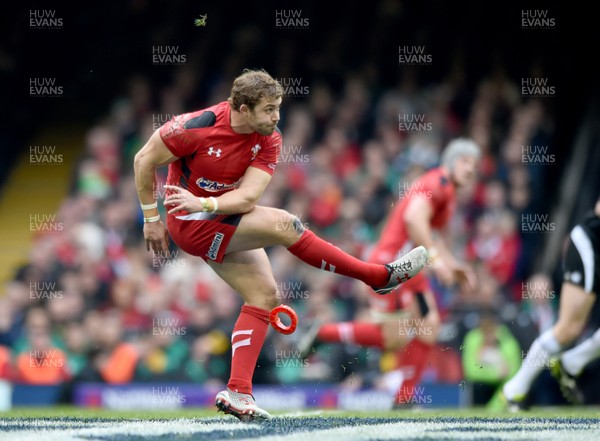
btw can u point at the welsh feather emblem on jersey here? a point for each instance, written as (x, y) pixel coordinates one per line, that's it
(255, 150)
(173, 127)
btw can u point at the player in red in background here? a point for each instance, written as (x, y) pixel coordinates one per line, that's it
(411, 310)
(220, 161)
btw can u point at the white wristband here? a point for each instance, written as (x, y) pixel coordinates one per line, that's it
(215, 204)
(203, 203)
(152, 219)
(149, 206)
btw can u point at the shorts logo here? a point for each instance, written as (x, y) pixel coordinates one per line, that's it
(213, 251)
(208, 185)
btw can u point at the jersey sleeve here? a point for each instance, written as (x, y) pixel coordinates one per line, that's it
(266, 159)
(175, 136)
(435, 189)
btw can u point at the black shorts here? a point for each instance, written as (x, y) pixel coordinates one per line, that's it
(580, 263)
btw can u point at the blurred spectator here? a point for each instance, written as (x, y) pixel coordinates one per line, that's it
(201, 320)
(42, 363)
(124, 295)
(496, 244)
(491, 355)
(76, 346)
(5, 363)
(165, 352)
(111, 360)
(11, 316)
(37, 321)
(206, 363)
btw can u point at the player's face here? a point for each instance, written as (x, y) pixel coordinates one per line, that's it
(465, 170)
(265, 116)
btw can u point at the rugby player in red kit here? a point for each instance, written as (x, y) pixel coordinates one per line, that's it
(220, 161)
(407, 321)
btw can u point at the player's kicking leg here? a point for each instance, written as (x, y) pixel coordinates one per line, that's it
(575, 306)
(249, 273)
(265, 226)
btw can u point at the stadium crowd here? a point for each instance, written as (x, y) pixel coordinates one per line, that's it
(92, 296)
(93, 305)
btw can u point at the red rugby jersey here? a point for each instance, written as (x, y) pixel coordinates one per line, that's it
(435, 187)
(212, 157)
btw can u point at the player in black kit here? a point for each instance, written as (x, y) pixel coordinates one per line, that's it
(581, 283)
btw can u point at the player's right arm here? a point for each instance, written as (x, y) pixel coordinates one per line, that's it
(463, 273)
(154, 154)
(417, 218)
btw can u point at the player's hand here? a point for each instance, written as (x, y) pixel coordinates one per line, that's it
(156, 237)
(443, 272)
(465, 276)
(181, 200)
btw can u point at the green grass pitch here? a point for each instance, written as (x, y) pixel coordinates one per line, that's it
(84, 424)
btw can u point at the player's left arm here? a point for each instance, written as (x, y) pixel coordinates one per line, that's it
(244, 198)
(241, 200)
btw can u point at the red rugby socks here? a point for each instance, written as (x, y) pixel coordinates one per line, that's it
(326, 256)
(359, 333)
(412, 360)
(247, 339)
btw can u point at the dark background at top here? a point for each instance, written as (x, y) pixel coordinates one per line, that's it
(102, 44)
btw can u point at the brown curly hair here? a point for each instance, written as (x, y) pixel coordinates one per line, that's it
(251, 86)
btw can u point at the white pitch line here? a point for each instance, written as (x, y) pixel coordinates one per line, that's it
(97, 429)
(558, 431)
(304, 413)
(505, 430)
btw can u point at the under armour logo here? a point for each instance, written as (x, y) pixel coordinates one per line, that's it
(402, 279)
(212, 150)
